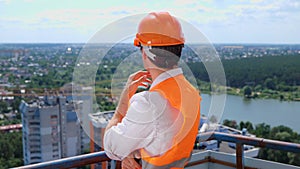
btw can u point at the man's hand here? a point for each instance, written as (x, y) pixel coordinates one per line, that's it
(135, 80)
(130, 163)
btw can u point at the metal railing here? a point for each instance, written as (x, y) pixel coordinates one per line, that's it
(76, 161)
(240, 140)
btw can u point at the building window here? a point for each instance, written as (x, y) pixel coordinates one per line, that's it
(55, 156)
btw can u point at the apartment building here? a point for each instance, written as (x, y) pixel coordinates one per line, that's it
(51, 129)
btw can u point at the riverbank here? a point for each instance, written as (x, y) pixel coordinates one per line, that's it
(261, 94)
(266, 94)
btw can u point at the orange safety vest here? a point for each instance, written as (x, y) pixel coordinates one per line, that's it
(185, 98)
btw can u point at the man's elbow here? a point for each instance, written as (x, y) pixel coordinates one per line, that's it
(112, 156)
(109, 148)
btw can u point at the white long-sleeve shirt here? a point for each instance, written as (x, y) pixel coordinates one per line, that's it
(150, 123)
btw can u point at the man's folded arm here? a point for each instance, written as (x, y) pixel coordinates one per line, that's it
(126, 137)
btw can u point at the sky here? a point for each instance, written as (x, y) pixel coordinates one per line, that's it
(221, 21)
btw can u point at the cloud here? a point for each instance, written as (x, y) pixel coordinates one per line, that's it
(5, 1)
(122, 12)
(208, 15)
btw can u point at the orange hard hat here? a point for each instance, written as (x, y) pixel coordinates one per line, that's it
(159, 29)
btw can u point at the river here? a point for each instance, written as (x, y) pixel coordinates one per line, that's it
(269, 111)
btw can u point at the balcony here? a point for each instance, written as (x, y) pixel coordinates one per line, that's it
(205, 159)
(35, 138)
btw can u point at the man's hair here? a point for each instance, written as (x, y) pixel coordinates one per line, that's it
(166, 56)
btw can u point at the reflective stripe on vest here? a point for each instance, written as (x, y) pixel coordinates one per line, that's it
(185, 98)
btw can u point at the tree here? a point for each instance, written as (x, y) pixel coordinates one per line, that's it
(281, 133)
(3, 107)
(230, 123)
(262, 130)
(283, 136)
(270, 84)
(294, 158)
(16, 103)
(247, 91)
(242, 125)
(248, 125)
(278, 156)
(11, 154)
(280, 129)
(258, 88)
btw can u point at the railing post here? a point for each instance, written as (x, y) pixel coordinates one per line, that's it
(118, 164)
(239, 155)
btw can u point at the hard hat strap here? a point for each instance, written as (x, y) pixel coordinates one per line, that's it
(148, 53)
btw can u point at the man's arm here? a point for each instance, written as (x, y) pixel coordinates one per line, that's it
(137, 79)
(135, 131)
(116, 139)
(117, 118)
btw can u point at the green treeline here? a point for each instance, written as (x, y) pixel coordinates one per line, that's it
(280, 69)
(281, 133)
(255, 71)
(271, 76)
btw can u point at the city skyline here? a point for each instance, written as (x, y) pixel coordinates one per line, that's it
(254, 21)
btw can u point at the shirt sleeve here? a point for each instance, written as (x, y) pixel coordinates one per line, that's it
(135, 131)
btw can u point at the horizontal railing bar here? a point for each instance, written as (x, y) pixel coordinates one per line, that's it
(254, 141)
(76, 161)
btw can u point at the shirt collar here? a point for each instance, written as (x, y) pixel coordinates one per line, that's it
(166, 75)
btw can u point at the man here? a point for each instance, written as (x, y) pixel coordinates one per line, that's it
(160, 125)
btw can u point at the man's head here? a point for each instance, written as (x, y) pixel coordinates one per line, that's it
(161, 39)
